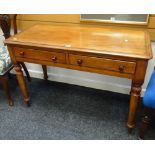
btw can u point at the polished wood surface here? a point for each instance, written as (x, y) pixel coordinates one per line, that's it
(121, 52)
(101, 63)
(55, 57)
(118, 41)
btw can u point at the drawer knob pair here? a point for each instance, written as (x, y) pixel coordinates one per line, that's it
(54, 58)
(79, 62)
(121, 68)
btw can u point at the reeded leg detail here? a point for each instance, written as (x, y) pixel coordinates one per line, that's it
(22, 84)
(135, 95)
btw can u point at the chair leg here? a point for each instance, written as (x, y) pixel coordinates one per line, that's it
(9, 75)
(7, 90)
(26, 71)
(45, 72)
(145, 122)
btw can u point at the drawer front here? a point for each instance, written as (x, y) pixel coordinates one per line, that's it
(55, 57)
(103, 63)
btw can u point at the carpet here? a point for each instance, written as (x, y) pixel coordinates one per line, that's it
(61, 111)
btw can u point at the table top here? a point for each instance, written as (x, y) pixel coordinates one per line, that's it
(118, 41)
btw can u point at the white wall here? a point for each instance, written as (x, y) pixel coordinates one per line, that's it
(92, 80)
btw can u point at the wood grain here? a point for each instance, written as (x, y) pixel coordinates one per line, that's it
(101, 63)
(106, 40)
(55, 57)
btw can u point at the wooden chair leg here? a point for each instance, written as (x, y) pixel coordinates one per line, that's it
(145, 122)
(45, 72)
(26, 71)
(7, 90)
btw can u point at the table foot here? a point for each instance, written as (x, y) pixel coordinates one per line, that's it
(130, 130)
(11, 103)
(27, 102)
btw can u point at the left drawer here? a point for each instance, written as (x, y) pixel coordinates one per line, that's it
(55, 57)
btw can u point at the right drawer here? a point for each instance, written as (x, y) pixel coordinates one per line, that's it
(102, 63)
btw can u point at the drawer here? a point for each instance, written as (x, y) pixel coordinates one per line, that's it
(55, 57)
(102, 63)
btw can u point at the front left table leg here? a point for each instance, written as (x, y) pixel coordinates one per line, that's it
(22, 84)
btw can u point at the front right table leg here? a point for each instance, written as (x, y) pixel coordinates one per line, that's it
(137, 81)
(134, 100)
(22, 84)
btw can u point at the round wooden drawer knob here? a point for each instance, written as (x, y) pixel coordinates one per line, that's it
(54, 58)
(21, 53)
(121, 68)
(79, 62)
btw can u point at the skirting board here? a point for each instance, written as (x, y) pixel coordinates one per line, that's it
(84, 82)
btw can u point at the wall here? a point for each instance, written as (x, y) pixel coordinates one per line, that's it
(77, 77)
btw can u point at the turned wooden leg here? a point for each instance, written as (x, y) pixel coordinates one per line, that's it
(7, 90)
(26, 71)
(45, 72)
(147, 115)
(22, 84)
(135, 95)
